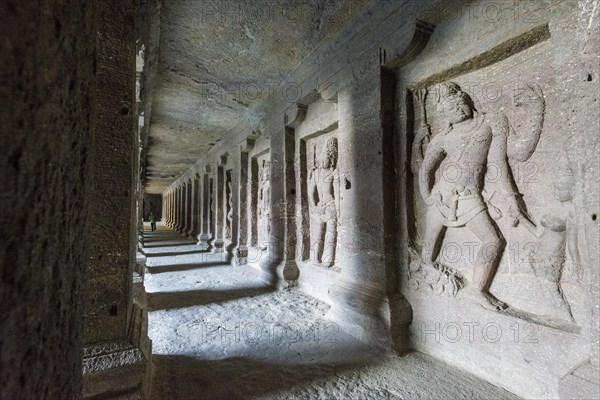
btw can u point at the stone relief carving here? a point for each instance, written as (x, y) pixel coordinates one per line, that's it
(323, 192)
(228, 206)
(264, 205)
(210, 205)
(451, 167)
(556, 235)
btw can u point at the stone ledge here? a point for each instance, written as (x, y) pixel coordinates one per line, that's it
(582, 383)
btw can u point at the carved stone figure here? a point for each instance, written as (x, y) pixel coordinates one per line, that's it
(323, 189)
(229, 209)
(210, 206)
(471, 144)
(264, 205)
(557, 234)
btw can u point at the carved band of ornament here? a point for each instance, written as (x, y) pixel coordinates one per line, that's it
(293, 121)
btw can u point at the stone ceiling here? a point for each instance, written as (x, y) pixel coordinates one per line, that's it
(218, 60)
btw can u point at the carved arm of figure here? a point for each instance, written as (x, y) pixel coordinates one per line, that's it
(498, 162)
(336, 193)
(433, 156)
(522, 145)
(536, 231)
(423, 132)
(260, 201)
(267, 197)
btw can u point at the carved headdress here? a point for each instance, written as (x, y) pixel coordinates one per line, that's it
(450, 91)
(331, 151)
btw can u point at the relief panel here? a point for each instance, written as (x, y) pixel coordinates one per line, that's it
(493, 194)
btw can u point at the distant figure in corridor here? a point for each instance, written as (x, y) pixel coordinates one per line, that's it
(152, 219)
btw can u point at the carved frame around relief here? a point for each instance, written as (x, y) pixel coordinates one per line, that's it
(447, 129)
(320, 197)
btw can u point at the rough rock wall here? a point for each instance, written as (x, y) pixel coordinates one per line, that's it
(47, 95)
(110, 262)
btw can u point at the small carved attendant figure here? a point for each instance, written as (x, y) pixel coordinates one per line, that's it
(557, 231)
(323, 189)
(264, 205)
(471, 143)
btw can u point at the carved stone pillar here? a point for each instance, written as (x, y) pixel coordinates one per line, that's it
(212, 225)
(194, 230)
(179, 219)
(279, 267)
(205, 233)
(219, 214)
(240, 255)
(184, 209)
(169, 207)
(116, 348)
(184, 202)
(180, 213)
(173, 207)
(192, 199)
(176, 208)
(233, 212)
(164, 207)
(229, 211)
(189, 197)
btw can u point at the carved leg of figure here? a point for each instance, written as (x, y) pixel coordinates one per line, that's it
(319, 242)
(328, 258)
(434, 227)
(486, 261)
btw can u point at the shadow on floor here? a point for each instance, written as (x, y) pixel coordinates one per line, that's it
(183, 377)
(184, 267)
(163, 244)
(173, 253)
(161, 234)
(167, 300)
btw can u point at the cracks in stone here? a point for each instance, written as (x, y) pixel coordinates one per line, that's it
(197, 81)
(240, 102)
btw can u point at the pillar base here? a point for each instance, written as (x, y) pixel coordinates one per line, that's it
(113, 368)
(203, 241)
(240, 256)
(218, 246)
(366, 313)
(282, 275)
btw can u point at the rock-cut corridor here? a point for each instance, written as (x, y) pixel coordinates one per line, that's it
(218, 333)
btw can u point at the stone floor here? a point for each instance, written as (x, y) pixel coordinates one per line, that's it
(218, 333)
